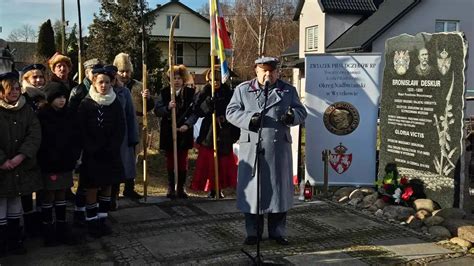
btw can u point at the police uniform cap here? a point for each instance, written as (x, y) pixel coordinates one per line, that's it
(33, 67)
(9, 75)
(266, 60)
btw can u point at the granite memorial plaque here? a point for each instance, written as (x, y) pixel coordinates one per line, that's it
(421, 115)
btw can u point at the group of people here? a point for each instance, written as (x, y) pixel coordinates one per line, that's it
(53, 127)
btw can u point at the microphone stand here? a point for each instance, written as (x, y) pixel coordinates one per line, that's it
(258, 260)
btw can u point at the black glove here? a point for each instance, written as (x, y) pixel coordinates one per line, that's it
(255, 121)
(289, 117)
(208, 105)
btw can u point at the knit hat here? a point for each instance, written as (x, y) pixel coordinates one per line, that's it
(54, 90)
(58, 57)
(91, 63)
(122, 62)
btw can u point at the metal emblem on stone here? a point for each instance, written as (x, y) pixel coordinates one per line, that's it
(401, 62)
(341, 118)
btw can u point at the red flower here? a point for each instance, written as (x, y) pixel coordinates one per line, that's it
(403, 180)
(386, 199)
(407, 193)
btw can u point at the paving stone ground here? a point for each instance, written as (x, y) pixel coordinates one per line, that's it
(207, 232)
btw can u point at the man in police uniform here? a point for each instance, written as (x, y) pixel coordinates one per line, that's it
(283, 110)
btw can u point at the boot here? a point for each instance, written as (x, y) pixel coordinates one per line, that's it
(104, 228)
(70, 196)
(171, 191)
(14, 240)
(93, 228)
(32, 224)
(79, 219)
(181, 182)
(49, 235)
(129, 190)
(64, 234)
(114, 195)
(3, 240)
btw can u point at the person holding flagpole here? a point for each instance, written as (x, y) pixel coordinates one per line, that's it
(277, 103)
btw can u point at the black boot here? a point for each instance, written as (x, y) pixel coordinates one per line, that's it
(3, 240)
(114, 195)
(79, 219)
(49, 235)
(32, 224)
(104, 228)
(14, 239)
(65, 235)
(171, 191)
(181, 183)
(70, 196)
(93, 228)
(129, 190)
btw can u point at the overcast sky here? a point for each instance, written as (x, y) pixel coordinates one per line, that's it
(15, 13)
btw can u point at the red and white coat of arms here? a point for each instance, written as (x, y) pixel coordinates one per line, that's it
(340, 161)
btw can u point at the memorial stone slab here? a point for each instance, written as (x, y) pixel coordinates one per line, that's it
(169, 244)
(218, 207)
(421, 113)
(139, 214)
(412, 248)
(331, 257)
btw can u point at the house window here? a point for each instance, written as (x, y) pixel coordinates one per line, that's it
(178, 48)
(446, 25)
(169, 20)
(312, 38)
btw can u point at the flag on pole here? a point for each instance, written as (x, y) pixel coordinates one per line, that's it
(220, 41)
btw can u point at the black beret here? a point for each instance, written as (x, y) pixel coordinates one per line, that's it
(55, 89)
(9, 75)
(111, 68)
(104, 70)
(271, 61)
(33, 67)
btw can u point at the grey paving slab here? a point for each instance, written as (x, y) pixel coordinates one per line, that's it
(183, 211)
(345, 221)
(412, 248)
(137, 214)
(463, 261)
(218, 207)
(171, 244)
(331, 257)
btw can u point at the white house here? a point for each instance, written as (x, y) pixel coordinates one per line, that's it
(192, 35)
(348, 26)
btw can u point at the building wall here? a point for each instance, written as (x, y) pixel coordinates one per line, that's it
(190, 24)
(422, 19)
(189, 55)
(311, 15)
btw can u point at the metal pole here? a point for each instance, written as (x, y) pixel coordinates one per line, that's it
(63, 29)
(326, 169)
(79, 56)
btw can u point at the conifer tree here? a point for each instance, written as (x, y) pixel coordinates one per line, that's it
(45, 47)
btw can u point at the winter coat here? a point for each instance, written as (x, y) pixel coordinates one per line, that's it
(135, 87)
(69, 83)
(227, 134)
(276, 161)
(127, 150)
(20, 133)
(60, 147)
(184, 115)
(35, 97)
(102, 133)
(78, 93)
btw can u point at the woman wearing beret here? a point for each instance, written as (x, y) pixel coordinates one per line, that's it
(20, 140)
(32, 84)
(185, 119)
(57, 158)
(227, 135)
(102, 125)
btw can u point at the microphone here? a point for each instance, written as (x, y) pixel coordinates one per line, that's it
(266, 85)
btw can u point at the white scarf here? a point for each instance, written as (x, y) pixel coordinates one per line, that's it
(106, 99)
(14, 107)
(31, 90)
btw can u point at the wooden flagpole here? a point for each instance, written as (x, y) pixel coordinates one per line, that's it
(173, 99)
(144, 109)
(213, 7)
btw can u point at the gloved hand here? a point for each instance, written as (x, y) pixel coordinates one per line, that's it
(208, 104)
(288, 117)
(255, 121)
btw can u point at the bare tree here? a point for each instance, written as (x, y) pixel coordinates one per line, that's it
(23, 34)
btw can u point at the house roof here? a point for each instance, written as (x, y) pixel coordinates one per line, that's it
(362, 34)
(160, 7)
(360, 7)
(24, 52)
(293, 50)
